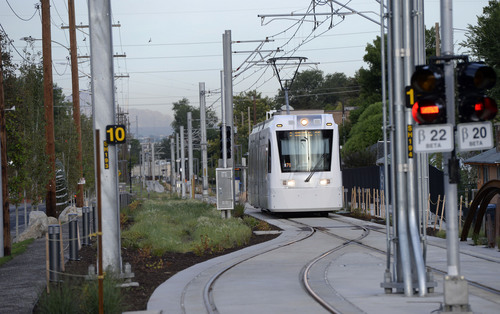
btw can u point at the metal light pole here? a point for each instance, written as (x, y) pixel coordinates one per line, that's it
(203, 143)
(182, 168)
(172, 163)
(190, 152)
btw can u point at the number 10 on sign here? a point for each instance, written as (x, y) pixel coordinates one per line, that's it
(115, 134)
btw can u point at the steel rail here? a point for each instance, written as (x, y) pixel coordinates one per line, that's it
(207, 292)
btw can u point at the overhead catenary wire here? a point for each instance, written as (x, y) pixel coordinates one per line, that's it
(311, 36)
(247, 76)
(37, 9)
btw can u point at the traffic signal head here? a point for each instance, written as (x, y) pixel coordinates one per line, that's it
(474, 79)
(428, 84)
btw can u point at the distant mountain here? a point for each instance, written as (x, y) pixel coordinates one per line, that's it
(150, 123)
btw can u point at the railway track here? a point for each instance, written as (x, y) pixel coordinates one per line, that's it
(301, 271)
(483, 290)
(207, 292)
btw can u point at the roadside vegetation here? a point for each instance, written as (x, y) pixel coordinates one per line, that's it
(167, 224)
(154, 227)
(17, 249)
(81, 296)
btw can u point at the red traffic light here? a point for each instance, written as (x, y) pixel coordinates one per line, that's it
(474, 79)
(427, 111)
(428, 83)
(475, 108)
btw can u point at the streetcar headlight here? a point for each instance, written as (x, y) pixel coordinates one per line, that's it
(289, 183)
(304, 121)
(324, 181)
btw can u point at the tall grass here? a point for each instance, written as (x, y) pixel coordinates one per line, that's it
(174, 225)
(78, 296)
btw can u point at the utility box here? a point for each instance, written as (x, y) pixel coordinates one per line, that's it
(224, 184)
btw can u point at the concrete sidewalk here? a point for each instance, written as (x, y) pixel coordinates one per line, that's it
(23, 279)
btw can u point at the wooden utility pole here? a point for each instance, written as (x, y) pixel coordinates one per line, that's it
(254, 110)
(438, 40)
(48, 96)
(6, 246)
(76, 99)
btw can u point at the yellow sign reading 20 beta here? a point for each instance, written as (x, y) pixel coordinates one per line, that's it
(115, 134)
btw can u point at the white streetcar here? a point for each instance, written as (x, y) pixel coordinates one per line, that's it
(294, 164)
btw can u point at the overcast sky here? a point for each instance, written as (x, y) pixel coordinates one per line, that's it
(171, 46)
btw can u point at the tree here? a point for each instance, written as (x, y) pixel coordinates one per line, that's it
(337, 90)
(250, 99)
(25, 130)
(430, 42)
(181, 108)
(303, 91)
(370, 80)
(367, 131)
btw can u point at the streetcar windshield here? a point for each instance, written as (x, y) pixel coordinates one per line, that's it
(305, 151)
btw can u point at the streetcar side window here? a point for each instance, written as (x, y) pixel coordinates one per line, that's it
(305, 150)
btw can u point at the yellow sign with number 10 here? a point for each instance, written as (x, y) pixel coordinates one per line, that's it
(115, 134)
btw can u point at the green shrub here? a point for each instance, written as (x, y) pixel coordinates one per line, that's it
(170, 225)
(250, 221)
(239, 211)
(441, 234)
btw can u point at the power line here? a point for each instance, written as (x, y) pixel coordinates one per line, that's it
(174, 57)
(175, 44)
(174, 71)
(37, 7)
(10, 41)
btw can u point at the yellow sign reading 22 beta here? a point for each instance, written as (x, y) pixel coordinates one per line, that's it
(115, 134)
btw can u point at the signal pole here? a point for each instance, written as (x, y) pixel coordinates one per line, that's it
(228, 90)
(456, 296)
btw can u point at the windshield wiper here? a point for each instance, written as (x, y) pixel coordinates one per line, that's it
(315, 168)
